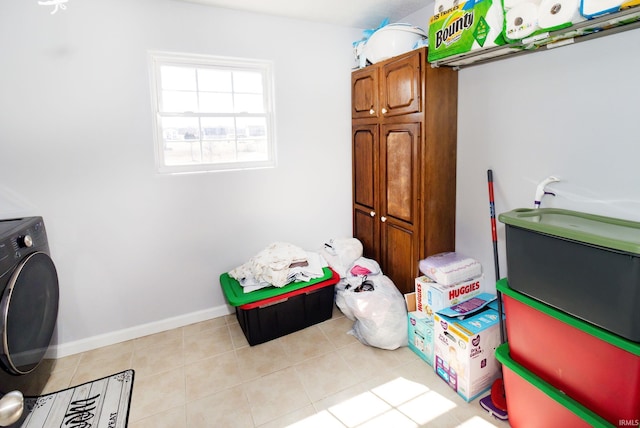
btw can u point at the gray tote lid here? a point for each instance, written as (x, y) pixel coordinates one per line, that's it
(608, 232)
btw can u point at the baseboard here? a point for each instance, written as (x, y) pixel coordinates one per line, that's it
(94, 342)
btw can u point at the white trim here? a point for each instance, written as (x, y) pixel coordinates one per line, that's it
(66, 349)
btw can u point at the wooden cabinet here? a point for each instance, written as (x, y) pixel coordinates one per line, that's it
(404, 116)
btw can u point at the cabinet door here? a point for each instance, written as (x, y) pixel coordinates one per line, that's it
(364, 93)
(365, 188)
(399, 202)
(401, 86)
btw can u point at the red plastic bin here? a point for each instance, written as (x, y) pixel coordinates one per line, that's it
(595, 367)
(533, 403)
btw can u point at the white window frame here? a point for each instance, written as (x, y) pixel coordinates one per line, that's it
(158, 59)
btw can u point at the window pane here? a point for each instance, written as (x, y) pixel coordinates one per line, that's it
(216, 102)
(218, 128)
(252, 139)
(179, 78)
(181, 140)
(179, 102)
(245, 103)
(247, 81)
(211, 80)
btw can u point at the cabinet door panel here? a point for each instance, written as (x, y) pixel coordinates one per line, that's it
(364, 93)
(399, 147)
(401, 86)
(365, 161)
(365, 188)
(399, 258)
(366, 230)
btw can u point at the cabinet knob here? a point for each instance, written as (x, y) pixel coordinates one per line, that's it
(383, 219)
(372, 112)
(372, 213)
(384, 111)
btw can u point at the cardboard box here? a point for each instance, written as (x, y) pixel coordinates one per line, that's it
(468, 26)
(431, 296)
(420, 334)
(464, 351)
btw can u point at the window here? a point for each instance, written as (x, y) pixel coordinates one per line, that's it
(211, 113)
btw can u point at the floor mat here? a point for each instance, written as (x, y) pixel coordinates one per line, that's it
(101, 403)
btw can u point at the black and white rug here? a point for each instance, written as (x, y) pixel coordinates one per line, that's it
(102, 403)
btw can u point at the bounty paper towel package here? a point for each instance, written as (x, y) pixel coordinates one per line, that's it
(464, 351)
(526, 18)
(520, 19)
(468, 26)
(557, 14)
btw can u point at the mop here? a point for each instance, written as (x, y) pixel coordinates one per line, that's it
(496, 402)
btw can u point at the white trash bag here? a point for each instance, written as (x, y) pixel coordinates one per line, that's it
(379, 311)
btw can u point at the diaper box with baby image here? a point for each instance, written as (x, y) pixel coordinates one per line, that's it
(464, 345)
(420, 333)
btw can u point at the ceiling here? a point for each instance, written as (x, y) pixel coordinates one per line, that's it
(364, 14)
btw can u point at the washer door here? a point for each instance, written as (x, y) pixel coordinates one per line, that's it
(29, 311)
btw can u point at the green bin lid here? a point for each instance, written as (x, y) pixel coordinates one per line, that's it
(590, 417)
(237, 297)
(602, 334)
(608, 232)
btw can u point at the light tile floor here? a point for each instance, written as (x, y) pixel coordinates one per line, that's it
(206, 375)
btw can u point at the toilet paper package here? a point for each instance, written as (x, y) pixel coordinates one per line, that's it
(473, 25)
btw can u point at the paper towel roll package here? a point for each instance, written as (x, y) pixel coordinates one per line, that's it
(473, 25)
(557, 14)
(594, 8)
(521, 21)
(441, 6)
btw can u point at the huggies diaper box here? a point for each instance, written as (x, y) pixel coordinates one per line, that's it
(432, 296)
(464, 348)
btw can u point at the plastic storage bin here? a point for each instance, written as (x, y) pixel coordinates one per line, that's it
(533, 403)
(595, 367)
(272, 312)
(582, 264)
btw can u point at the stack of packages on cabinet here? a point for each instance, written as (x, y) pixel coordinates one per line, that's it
(449, 278)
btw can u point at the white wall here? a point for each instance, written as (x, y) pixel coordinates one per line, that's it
(137, 252)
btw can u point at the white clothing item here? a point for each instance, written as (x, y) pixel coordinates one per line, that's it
(312, 270)
(271, 265)
(278, 265)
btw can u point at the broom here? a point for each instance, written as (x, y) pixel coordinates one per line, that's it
(496, 403)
